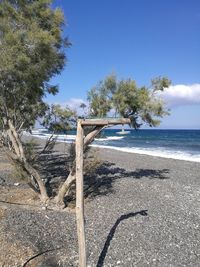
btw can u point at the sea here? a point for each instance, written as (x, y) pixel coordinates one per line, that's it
(175, 144)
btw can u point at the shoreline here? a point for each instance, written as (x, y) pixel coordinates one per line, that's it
(147, 153)
(132, 151)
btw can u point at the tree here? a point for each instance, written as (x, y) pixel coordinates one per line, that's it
(126, 99)
(140, 104)
(31, 53)
(58, 119)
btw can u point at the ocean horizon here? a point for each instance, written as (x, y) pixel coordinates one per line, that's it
(182, 144)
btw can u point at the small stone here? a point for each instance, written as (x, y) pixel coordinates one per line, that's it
(16, 184)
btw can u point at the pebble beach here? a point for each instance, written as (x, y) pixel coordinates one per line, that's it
(145, 212)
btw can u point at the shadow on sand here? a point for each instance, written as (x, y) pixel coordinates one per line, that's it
(102, 182)
(112, 233)
(54, 167)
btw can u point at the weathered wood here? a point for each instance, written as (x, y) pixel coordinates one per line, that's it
(87, 140)
(72, 175)
(80, 196)
(90, 137)
(81, 144)
(102, 122)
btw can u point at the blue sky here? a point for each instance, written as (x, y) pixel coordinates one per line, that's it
(140, 39)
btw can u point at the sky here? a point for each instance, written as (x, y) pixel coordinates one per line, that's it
(138, 39)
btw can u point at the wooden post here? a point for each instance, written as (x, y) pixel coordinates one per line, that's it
(80, 143)
(80, 196)
(105, 122)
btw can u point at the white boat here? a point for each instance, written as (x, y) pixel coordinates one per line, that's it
(123, 132)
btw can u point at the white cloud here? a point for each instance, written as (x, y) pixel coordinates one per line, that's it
(181, 95)
(175, 95)
(74, 104)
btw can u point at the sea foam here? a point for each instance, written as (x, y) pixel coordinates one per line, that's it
(156, 152)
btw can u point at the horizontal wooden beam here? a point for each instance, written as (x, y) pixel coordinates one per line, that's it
(104, 122)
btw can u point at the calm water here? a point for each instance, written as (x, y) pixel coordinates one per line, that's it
(178, 144)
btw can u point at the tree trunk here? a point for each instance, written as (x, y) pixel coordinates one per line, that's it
(17, 140)
(21, 159)
(32, 171)
(14, 143)
(90, 137)
(59, 199)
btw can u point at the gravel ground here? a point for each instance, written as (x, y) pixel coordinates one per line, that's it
(51, 233)
(151, 218)
(144, 211)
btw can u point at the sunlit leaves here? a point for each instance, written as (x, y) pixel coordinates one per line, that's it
(126, 99)
(160, 83)
(31, 52)
(59, 119)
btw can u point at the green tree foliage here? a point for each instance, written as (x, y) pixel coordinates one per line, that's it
(31, 52)
(100, 97)
(59, 119)
(126, 99)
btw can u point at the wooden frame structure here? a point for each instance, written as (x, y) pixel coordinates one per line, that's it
(81, 143)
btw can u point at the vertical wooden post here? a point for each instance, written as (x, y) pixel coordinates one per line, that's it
(80, 196)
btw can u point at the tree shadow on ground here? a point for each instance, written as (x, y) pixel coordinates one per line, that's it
(55, 168)
(48, 262)
(112, 233)
(102, 182)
